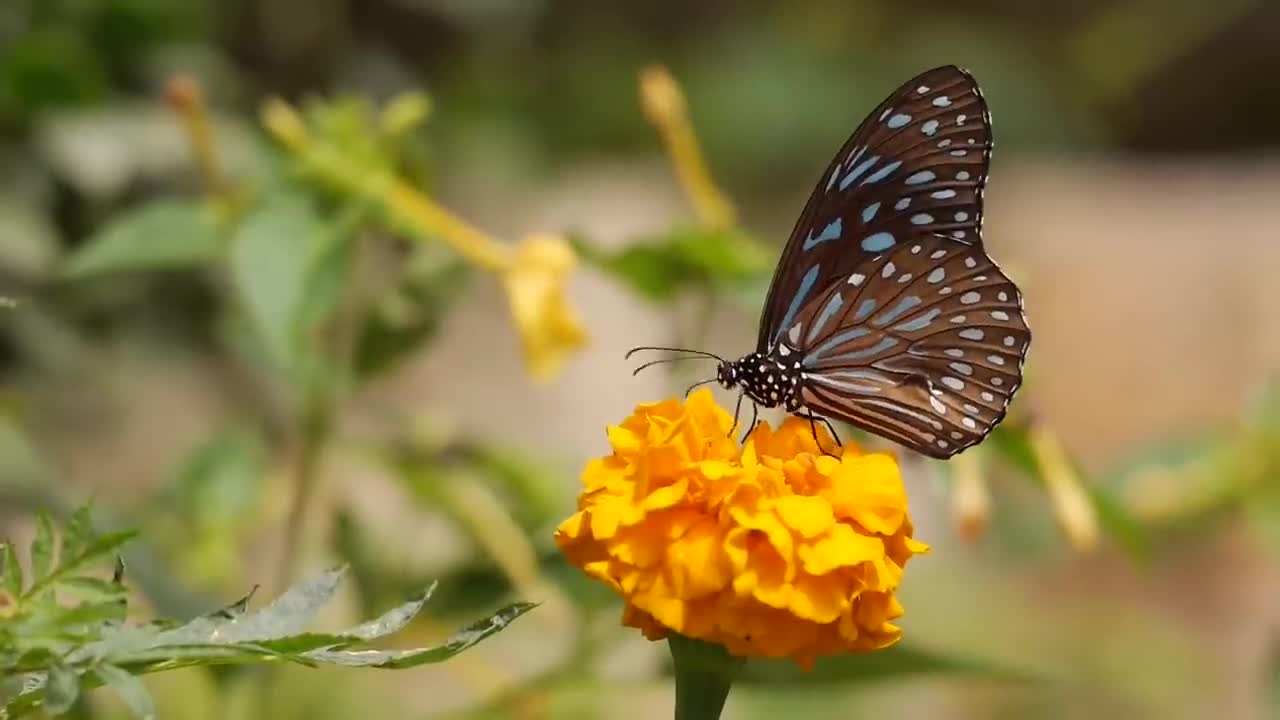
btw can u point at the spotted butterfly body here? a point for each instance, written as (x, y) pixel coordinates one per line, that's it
(885, 310)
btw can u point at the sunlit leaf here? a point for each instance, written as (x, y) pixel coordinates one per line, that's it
(276, 253)
(92, 589)
(166, 234)
(10, 571)
(42, 548)
(400, 659)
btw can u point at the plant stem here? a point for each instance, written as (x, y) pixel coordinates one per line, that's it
(704, 674)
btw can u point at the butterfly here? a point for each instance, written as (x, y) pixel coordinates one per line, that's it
(885, 311)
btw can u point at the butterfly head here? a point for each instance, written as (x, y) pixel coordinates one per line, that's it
(727, 374)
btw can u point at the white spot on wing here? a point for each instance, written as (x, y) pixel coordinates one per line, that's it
(889, 269)
(856, 279)
(972, 334)
(953, 383)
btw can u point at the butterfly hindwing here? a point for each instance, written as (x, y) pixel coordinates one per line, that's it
(917, 165)
(923, 344)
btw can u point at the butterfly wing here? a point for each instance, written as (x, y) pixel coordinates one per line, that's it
(923, 345)
(916, 165)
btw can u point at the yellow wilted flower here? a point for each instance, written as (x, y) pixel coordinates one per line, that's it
(771, 549)
(534, 273)
(535, 281)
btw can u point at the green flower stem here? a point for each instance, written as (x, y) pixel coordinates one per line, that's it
(704, 674)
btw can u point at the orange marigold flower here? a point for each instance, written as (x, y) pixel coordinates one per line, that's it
(771, 549)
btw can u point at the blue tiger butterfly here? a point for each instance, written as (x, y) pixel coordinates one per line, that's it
(885, 311)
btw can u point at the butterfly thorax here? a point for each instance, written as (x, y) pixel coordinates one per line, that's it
(768, 379)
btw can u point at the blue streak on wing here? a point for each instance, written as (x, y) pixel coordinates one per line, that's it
(923, 176)
(830, 232)
(872, 351)
(806, 286)
(855, 173)
(869, 212)
(878, 242)
(919, 323)
(864, 309)
(905, 304)
(882, 173)
(838, 339)
(832, 306)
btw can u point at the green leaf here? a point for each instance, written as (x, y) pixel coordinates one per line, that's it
(409, 315)
(659, 268)
(42, 548)
(95, 550)
(61, 689)
(1120, 524)
(288, 615)
(276, 253)
(896, 662)
(400, 659)
(11, 578)
(92, 589)
(129, 688)
(162, 235)
(78, 532)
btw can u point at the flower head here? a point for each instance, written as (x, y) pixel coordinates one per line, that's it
(771, 549)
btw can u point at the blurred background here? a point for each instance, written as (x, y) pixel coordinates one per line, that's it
(228, 338)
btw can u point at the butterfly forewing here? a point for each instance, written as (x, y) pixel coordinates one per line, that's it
(923, 344)
(916, 166)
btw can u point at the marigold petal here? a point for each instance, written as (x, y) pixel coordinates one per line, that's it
(820, 599)
(807, 515)
(666, 497)
(841, 547)
(868, 490)
(697, 563)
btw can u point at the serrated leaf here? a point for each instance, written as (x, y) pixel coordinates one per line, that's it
(288, 615)
(392, 621)
(894, 663)
(92, 589)
(162, 235)
(96, 549)
(10, 571)
(42, 548)
(78, 532)
(61, 689)
(129, 688)
(401, 659)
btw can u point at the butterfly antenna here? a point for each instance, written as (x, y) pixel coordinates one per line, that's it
(635, 350)
(700, 382)
(667, 360)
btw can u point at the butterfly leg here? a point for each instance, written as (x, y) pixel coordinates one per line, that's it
(830, 428)
(737, 409)
(755, 414)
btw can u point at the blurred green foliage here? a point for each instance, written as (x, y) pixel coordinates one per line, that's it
(51, 650)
